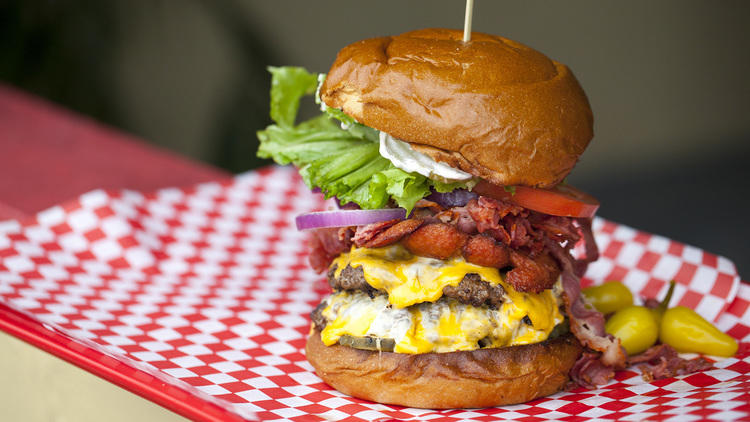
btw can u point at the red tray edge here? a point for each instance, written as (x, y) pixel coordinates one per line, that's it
(117, 372)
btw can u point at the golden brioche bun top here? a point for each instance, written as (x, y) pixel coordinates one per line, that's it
(491, 106)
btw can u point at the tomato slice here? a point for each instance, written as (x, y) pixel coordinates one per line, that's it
(562, 200)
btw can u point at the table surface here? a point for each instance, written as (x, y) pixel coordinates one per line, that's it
(70, 393)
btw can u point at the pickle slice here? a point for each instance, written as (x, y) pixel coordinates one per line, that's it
(560, 330)
(368, 343)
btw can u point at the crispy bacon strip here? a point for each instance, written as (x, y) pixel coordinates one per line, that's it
(586, 323)
(364, 234)
(662, 361)
(326, 244)
(456, 216)
(391, 234)
(589, 371)
(532, 274)
(488, 215)
(589, 245)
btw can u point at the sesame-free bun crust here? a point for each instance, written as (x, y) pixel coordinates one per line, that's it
(491, 107)
(469, 379)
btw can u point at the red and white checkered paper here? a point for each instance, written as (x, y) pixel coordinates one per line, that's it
(207, 289)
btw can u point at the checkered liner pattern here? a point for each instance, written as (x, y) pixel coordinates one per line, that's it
(208, 289)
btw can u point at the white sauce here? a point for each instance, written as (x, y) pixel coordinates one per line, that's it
(403, 156)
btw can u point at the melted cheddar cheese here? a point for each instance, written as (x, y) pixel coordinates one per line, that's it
(418, 319)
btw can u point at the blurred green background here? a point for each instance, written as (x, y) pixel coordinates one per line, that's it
(667, 80)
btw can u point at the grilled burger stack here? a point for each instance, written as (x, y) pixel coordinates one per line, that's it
(450, 260)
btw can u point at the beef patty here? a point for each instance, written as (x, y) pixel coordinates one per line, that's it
(472, 290)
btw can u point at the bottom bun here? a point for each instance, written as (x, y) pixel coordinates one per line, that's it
(477, 378)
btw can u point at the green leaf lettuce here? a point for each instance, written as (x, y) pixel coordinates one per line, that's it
(334, 152)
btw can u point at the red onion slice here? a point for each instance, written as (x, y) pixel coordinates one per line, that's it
(345, 218)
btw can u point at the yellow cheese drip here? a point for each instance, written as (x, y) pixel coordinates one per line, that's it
(409, 279)
(414, 340)
(353, 323)
(444, 326)
(412, 280)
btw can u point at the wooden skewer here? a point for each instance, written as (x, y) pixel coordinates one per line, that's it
(467, 20)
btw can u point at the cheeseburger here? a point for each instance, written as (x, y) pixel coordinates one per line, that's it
(450, 254)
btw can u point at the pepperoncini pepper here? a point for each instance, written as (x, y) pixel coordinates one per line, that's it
(636, 328)
(659, 310)
(686, 331)
(609, 297)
